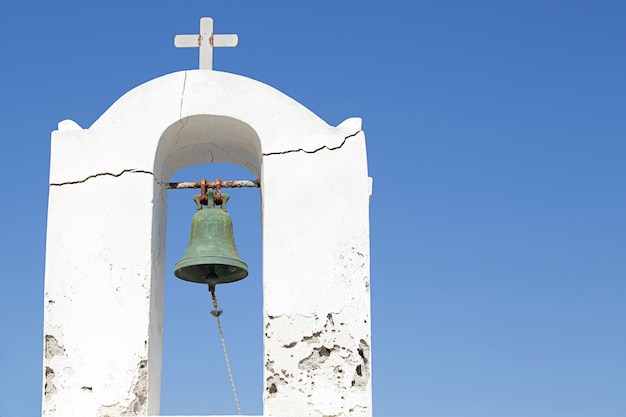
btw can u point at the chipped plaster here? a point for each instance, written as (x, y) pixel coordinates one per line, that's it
(104, 278)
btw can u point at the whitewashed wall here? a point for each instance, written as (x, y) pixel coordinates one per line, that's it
(106, 242)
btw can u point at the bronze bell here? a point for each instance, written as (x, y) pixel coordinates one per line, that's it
(211, 256)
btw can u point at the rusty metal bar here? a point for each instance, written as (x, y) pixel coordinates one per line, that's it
(210, 184)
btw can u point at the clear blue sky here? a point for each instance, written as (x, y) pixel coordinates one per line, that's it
(496, 135)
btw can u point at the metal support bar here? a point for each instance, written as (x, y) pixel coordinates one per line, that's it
(223, 184)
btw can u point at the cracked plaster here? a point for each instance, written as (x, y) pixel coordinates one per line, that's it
(110, 258)
(211, 159)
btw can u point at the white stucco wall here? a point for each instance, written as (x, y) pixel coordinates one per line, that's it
(106, 241)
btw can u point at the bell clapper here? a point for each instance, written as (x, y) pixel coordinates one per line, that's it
(216, 312)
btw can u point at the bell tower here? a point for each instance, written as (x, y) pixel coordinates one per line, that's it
(105, 247)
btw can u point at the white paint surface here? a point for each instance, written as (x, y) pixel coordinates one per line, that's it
(106, 242)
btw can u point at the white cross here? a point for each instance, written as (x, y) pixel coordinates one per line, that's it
(206, 41)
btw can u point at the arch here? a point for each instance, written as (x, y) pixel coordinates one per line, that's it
(115, 264)
(200, 139)
(202, 106)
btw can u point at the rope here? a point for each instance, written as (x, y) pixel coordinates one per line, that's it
(217, 313)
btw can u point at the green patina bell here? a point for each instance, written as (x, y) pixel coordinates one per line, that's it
(211, 256)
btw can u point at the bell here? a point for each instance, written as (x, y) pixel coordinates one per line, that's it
(211, 256)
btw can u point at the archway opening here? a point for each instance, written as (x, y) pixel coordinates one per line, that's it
(194, 377)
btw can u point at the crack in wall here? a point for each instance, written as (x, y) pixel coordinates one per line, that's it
(223, 151)
(141, 171)
(182, 97)
(106, 174)
(315, 150)
(183, 121)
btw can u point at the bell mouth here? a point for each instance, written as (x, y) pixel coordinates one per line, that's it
(211, 270)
